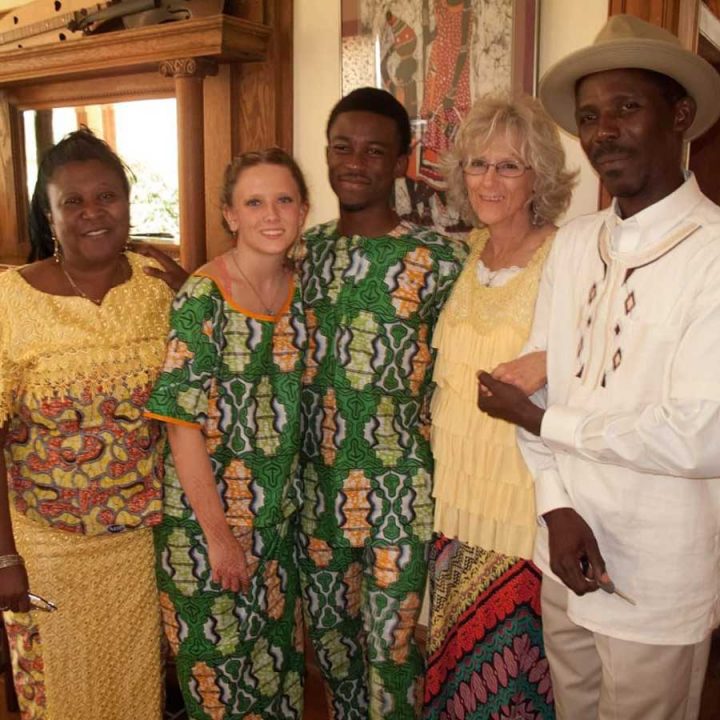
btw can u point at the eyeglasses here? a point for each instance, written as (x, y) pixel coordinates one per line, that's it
(504, 168)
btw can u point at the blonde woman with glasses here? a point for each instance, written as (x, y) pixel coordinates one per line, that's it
(506, 174)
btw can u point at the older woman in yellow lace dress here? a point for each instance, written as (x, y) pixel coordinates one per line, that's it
(82, 335)
(485, 654)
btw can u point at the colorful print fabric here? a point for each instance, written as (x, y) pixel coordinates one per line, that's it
(236, 376)
(486, 658)
(237, 655)
(362, 606)
(371, 304)
(74, 378)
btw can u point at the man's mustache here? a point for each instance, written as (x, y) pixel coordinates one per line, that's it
(609, 149)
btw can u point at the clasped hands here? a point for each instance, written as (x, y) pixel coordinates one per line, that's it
(503, 394)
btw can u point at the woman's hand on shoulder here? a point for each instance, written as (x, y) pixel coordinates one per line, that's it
(172, 273)
(228, 565)
(528, 372)
(14, 589)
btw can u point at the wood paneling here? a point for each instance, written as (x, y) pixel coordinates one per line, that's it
(93, 91)
(220, 148)
(657, 12)
(220, 36)
(13, 246)
(280, 59)
(263, 91)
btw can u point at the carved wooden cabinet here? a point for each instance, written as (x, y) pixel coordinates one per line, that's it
(232, 81)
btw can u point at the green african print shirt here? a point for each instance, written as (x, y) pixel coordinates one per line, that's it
(237, 376)
(371, 304)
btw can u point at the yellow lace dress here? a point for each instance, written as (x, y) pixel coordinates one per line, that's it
(84, 490)
(485, 631)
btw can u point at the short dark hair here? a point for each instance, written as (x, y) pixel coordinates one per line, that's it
(78, 146)
(380, 102)
(268, 156)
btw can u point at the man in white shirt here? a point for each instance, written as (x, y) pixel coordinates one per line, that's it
(626, 455)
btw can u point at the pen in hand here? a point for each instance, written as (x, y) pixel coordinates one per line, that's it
(608, 585)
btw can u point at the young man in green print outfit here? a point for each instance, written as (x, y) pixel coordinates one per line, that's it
(373, 289)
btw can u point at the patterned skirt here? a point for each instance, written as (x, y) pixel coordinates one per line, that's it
(238, 655)
(98, 655)
(486, 658)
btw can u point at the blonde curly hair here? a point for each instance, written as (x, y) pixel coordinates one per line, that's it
(522, 120)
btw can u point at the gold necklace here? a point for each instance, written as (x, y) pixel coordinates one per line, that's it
(78, 290)
(268, 308)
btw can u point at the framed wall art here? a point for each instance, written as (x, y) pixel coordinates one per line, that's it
(437, 57)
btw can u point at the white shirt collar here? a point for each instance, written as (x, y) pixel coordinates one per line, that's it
(655, 221)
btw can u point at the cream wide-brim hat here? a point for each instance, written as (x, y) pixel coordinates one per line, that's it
(626, 42)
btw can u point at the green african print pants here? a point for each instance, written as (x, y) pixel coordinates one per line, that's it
(237, 655)
(361, 606)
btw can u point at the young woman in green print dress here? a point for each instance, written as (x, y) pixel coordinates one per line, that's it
(229, 394)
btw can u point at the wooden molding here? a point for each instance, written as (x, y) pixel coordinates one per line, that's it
(13, 207)
(688, 14)
(219, 36)
(92, 91)
(188, 67)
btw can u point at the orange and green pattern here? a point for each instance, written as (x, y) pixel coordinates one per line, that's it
(372, 304)
(237, 377)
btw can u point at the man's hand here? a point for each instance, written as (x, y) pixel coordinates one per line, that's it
(172, 274)
(528, 372)
(507, 402)
(574, 554)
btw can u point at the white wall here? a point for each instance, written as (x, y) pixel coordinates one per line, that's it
(317, 87)
(565, 26)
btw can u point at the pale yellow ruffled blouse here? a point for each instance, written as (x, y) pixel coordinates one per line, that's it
(483, 491)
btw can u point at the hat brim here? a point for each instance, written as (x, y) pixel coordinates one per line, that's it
(697, 76)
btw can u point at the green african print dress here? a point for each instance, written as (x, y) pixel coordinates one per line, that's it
(236, 376)
(371, 304)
